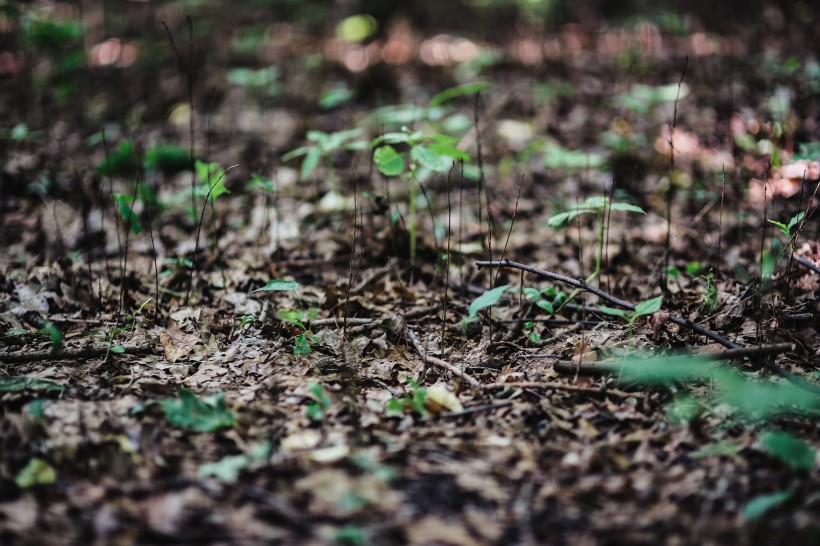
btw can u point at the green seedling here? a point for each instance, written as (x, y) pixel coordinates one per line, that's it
(317, 409)
(125, 208)
(487, 299)
(710, 297)
(646, 307)
(303, 342)
(262, 80)
(762, 504)
(436, 114)
(641, 98)
(415, 402)
(596, 206)
(36, 472)
(209, 414)
(532, 335)
(788, 449)
(746, 397)
(21, 383)
(549, 299)
(790, 229)
(54, 334)
(229, 468)
(414, 155)
(322, 147)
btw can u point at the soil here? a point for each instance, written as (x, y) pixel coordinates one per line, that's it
(304, 360)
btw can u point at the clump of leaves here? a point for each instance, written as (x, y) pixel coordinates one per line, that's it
(487, 299)
(548, 298)
(54, 334)
(643, 308)
(322, 146)
(208, 414)
(596, 205)
(24, 383)
(710, 297)
(230, 467)
(414, 156)
(749, 398)
(415, 402)
(317, 410)
(36, 472)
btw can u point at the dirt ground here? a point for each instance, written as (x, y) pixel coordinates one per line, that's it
(317, 351)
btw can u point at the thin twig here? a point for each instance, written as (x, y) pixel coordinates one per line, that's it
(601, 368)
(414, 341)
(17, 357)
(554, 385)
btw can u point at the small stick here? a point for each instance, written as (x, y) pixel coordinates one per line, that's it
(17, 357)
(427, 359)
(600, 368)
(554, 385)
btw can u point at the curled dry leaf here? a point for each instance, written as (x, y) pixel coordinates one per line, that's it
(440, 397)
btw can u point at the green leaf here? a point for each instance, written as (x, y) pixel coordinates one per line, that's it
(449, 151)
(389, 161)
(487, 299)
(425, 157)
(23, 383)
(127, 213)
(647, 307)
(763, 503)
(310, 162)
(168, 158)
(795, 221)
(122, 160)
(277, 285)
(612, 311)
(458, 91)
(55, 335)
(296, 153)
(227, 469)
(627, 207)
(201, 415)
(783, 227)
(36, 472)
(546, 306)
(335, 97)
(790, 450)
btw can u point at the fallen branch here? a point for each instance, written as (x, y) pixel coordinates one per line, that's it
(807, 264)
(17, 357)
(427, 359)
(581, 285)
(602, 368)
(553, 385)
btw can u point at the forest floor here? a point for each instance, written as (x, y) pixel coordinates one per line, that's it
(296, 364)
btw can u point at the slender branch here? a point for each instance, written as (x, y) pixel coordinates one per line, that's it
(17, 357)
(807, 264)
(554, 385)
(414, 341)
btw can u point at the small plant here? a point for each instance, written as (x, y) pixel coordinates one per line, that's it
(746, 397)
(317, 410)
(646, 307)
(189, 412)
(322, 147)
(710, 297)
(487, 299)
(425, 154)
(547, 299)
(54, 335)
(789, 229)
(597, 206)
(303, 342)
(415, 402)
